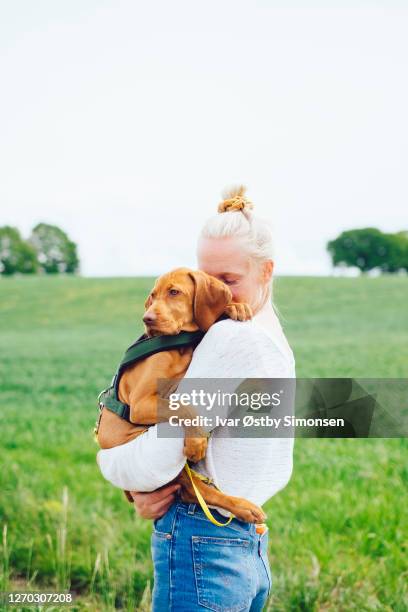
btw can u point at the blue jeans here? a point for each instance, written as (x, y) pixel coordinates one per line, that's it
(199, 566)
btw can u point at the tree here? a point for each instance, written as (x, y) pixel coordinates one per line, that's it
(369, 248)
(56, 253)
(400, 251)
(16, 255)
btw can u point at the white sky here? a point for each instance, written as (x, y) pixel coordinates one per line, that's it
(122, 121)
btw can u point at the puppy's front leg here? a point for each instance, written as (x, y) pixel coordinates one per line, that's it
(152, 409)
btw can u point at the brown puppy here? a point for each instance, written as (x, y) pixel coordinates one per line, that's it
(182, 300)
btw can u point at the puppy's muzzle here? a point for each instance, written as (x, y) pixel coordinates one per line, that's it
(149, 319)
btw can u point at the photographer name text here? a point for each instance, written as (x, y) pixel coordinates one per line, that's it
(254, 421)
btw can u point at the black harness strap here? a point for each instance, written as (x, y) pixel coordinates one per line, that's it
(142, 348)
(145, 346)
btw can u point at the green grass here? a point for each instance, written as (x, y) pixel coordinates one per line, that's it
(338, 532)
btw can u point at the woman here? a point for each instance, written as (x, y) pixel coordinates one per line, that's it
(198, 565)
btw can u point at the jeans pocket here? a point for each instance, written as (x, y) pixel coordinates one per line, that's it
(160, 549)
(163, 524)
(263, 553)
(222, 573)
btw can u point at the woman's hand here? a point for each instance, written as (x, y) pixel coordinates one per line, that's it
(153, 505)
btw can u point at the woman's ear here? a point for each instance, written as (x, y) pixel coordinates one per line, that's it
(267, 271)
(211, 296)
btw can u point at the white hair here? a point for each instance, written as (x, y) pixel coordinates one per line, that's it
(235, 219)
(254, 232)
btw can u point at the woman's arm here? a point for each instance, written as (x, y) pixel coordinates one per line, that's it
(145, 463)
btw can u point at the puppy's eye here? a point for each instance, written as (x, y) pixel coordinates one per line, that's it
(174, 292)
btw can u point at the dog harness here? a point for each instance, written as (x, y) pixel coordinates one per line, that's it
(142, 348)
(109, 397)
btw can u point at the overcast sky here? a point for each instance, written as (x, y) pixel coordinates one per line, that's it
(122, 121)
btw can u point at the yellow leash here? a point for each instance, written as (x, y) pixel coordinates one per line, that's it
(201, 499)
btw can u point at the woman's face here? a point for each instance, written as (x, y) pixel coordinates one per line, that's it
(226, 259)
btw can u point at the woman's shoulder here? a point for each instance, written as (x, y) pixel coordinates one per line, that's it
(235, 349)
(249, 330)
(249, 337)
(223, 336)
(247, 334)
(242, 349)
(228, 328)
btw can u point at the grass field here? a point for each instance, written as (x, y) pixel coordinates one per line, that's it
(338, 532)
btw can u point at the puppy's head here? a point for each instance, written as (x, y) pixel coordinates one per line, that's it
(184, 300)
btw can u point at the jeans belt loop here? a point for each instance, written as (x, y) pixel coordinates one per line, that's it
(191, 508)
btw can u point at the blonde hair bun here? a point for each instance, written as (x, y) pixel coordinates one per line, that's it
(235, 200)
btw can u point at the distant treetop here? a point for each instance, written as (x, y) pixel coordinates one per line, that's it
(16, 255)
(56, 253)
(48, 250)
(369, 248)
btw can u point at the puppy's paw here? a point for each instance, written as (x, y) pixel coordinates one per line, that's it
(238, 311)
(246, 511)
(195, 448)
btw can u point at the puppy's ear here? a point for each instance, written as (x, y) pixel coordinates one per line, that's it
(148, 302)
(210, 299)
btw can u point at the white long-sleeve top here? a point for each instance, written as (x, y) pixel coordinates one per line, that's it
(254, 468)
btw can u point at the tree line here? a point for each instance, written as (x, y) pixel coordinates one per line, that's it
(47, 250)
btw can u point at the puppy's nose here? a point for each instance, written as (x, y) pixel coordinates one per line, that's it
(149, 318)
